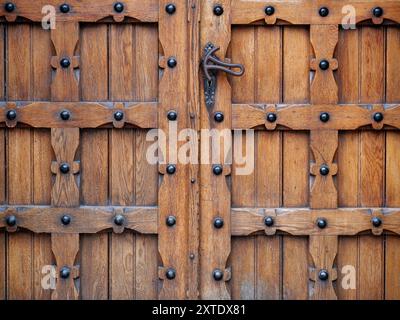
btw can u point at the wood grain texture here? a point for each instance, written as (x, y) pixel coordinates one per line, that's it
(215, 257)
(89, 11)
(306, 12)
(173, 242)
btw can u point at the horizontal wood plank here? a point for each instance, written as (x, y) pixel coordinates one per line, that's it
(302, 221)
(81, 114)
(84, 219)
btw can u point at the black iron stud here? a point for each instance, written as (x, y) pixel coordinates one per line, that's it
(324, 117)
(323, 275)
(271, 117)
(65, 63)
(119, 220)
(170, 8)
(118, 115)
(322, 223)
(218, 10)
(64, 168)
(377, 12)
(324, 170)
(119, 7)
(170, 221)
(269, 11)
(171, 169)
(9, 7)
(11, 115)
(65, 220)
(378, 117)
(218, 275)
(172, 62)
(376, 222)
(64, 8)
(217, 169)
(323, 12)
(218, 223)
(172, 115)
(11, 221)
(65, 115)
(65, 272)
(170, 273)
(324, 65)
(219, 116)
(269, 221)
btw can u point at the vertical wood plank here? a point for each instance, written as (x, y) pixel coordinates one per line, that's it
(348, 154)
(65, 142)
(243, 186)
(122, 155)
(392, 252)
(173, 242)
(146, 175)
(2, 170)
(42, 155)
(19, 260)
(372, 147)
(296, 57)
(268, 75)
(94, 161)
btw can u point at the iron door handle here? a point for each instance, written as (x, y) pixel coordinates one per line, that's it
(211, 64)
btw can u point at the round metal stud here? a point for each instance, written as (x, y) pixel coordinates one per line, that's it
(324, 65)
(172, 62)
(324, 170)
(172, 115)
(9, 7)
(170, 273)
(218, 10)
(11, 221)
(323, 12)
(11, 115)
(218, 223)
(377, 12)
(65, 272)
(64, 168)
(324, 117)
(322, 223)
(378, 116)
(65, 63)
(170, 8)
(118, 115)
(218, 274)
(323, 275)
(119, 7)
(119, 220)
(217, 170)
(171, 169)
(64, 8)
(170, 221)
(269, 221)
(376, 222)
(65, 220)
(271, 117)
(269, 11)
(65, 115)
(219, 116)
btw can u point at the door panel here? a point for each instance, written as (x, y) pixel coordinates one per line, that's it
(84, 214)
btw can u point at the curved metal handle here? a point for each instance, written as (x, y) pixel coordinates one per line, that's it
(211, 62)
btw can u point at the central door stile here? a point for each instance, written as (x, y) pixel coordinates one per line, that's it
(173, 218)
(215, 196)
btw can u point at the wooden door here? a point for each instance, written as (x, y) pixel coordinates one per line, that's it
(77, 191)
(317, 218)
(84, 214)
